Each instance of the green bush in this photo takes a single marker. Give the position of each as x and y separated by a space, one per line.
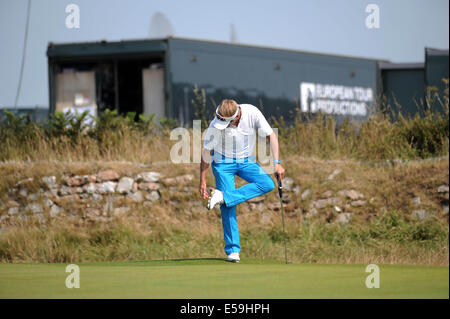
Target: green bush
199 104
168 123
428 135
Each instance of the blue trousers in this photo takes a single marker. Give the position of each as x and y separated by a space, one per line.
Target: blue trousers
259 182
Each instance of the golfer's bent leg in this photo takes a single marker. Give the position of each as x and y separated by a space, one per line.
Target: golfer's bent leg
225 174
259 183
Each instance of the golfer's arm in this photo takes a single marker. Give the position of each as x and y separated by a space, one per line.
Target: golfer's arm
273 139
204 163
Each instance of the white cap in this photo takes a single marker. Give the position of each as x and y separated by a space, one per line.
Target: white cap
221 122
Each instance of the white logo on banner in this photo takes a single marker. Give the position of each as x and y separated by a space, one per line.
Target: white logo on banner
335 99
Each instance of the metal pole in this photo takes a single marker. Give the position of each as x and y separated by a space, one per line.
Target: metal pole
23 54
280 192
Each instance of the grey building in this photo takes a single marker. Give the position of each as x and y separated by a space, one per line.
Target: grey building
411 88
436 71
158 77
403 88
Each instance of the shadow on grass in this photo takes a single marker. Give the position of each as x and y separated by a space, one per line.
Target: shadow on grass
197 259
180 261
192 261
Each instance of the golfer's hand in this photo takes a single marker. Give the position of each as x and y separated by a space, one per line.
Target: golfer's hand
203 191
279 170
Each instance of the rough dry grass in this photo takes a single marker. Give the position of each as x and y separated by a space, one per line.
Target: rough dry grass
382 231
391 187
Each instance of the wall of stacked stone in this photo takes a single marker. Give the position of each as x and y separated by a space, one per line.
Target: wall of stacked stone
101 197
106 195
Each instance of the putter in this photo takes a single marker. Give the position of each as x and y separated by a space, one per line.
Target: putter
280 192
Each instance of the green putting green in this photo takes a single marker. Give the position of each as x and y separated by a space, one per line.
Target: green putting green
216 278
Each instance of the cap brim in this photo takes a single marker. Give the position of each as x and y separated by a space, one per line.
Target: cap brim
220 125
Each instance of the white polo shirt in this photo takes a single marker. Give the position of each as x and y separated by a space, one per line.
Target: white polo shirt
238 142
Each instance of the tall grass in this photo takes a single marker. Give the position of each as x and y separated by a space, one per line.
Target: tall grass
387 239
67 137
378 138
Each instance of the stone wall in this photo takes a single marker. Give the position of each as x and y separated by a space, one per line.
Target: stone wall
104 196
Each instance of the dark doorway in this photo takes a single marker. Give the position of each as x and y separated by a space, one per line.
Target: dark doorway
106 96
129 74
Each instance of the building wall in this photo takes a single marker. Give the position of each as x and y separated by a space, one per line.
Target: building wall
436 69
404 90
279 82
267 78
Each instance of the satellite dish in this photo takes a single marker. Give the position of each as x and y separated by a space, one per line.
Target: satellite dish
233 34
160 27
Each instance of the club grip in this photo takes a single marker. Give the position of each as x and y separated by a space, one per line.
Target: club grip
280 185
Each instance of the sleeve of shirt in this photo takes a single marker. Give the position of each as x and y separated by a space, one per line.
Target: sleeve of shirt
262 123
211 138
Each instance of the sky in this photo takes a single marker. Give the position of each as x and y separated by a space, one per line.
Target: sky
406 27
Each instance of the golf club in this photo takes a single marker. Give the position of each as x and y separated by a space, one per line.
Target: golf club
280 192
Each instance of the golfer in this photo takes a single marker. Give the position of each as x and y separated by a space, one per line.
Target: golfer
229 146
